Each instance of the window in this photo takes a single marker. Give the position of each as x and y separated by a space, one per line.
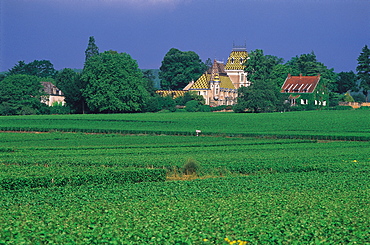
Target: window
232 60
304 101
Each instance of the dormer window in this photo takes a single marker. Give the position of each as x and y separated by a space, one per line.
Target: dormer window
241 60
232 60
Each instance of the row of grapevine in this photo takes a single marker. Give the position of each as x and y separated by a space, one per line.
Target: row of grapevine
215 155
18 177
289 208
287 135
349 125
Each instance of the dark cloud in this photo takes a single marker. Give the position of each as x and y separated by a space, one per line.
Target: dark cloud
58 30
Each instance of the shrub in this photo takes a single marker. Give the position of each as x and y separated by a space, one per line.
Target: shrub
190 167
348 97
205 108
342 107
192 106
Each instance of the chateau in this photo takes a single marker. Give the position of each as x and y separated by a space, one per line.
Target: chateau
219 84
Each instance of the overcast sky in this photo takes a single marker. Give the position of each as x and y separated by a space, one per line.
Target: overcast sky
59 30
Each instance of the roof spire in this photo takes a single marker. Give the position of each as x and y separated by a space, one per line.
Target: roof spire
214 74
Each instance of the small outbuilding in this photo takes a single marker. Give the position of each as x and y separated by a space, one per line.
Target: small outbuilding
53 94
307 91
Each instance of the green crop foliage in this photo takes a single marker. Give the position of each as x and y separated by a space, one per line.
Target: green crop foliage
215 155
30 176
283 208
324 125
283 178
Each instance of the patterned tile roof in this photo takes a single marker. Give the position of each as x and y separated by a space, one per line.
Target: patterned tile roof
173 93
236 60
226 82
204 80
300 84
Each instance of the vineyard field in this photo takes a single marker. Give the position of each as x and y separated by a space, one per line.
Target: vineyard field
343 125
215 155
282 208
278 178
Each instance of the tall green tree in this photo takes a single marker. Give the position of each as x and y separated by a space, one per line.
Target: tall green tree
39 68
71 85
208 63
20 95
346 81
179 68
19 68
363 70
91 49
114 83
263 95
149 81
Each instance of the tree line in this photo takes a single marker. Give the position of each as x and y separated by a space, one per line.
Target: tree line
267 74
112 82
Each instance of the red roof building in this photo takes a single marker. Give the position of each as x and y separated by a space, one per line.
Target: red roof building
300 84
305 91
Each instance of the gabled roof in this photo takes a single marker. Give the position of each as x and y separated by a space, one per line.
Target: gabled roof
173 93
51 89
203 81
226 82
300 84
220 67
236 60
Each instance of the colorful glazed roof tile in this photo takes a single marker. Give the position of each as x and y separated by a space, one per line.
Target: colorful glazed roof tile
216 76
300 84
226 82
173 93
204 82
236 60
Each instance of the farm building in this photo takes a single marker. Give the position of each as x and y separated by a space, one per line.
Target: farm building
305 91
219 84
53 94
